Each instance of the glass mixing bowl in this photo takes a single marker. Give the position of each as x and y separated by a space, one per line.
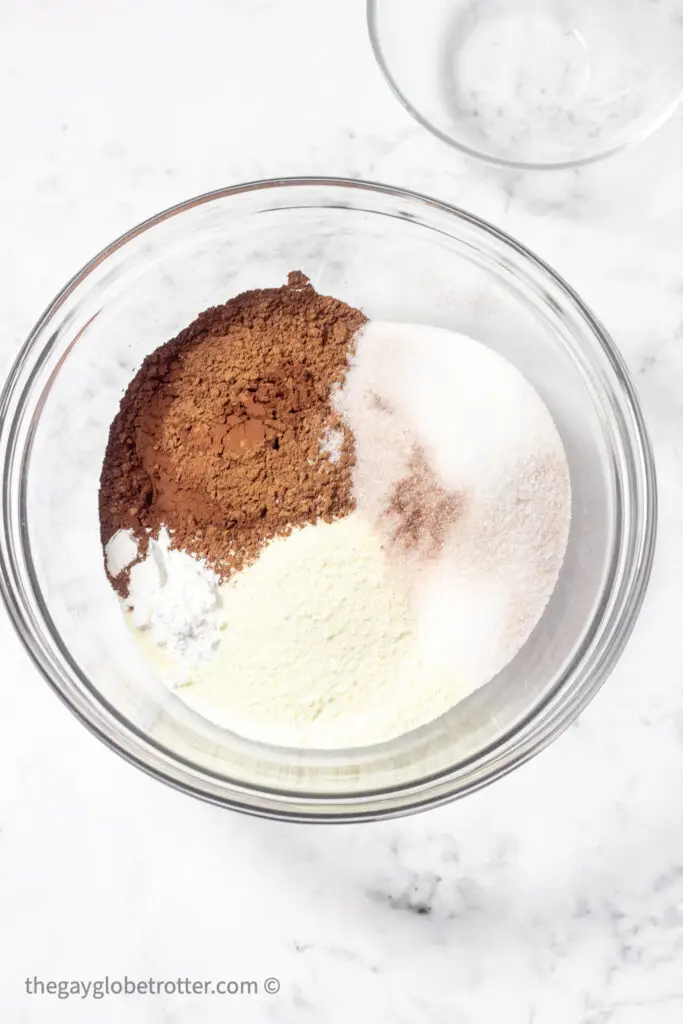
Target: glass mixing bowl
533 83
399 256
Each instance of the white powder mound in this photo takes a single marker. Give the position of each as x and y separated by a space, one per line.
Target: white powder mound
331 444
319 648
121 550
490 440
174 597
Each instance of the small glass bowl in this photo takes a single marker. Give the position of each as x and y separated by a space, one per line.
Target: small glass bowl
399 256
533 83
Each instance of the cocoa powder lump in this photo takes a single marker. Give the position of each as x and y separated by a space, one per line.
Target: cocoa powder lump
420 511
220 435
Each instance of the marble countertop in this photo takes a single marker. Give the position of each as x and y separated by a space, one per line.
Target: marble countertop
555 895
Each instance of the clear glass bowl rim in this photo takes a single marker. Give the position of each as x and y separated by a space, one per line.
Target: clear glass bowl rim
533 733
498 161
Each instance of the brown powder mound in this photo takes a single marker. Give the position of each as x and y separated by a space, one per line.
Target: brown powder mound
420 510
218 436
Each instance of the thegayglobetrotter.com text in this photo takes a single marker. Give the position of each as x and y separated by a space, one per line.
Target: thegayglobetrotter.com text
102 988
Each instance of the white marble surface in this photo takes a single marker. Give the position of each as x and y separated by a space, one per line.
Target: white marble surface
555 896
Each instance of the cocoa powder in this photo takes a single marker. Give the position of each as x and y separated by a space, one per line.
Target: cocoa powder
419 510
218 437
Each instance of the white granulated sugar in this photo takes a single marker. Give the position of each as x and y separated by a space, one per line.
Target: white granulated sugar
489 439
319 647
121 550
174 597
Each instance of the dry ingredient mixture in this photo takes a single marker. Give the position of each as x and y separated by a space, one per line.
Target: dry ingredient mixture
334 530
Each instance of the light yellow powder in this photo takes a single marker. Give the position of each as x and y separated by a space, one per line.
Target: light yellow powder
319 647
